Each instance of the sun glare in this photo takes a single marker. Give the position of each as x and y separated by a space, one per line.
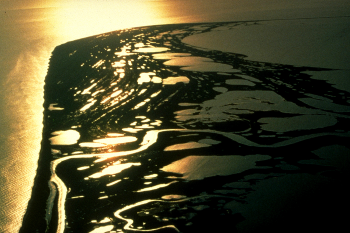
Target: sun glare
78 20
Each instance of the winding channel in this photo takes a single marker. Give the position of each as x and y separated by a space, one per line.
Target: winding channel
150 138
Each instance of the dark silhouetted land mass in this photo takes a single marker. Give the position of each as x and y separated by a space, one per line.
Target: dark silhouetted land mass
143 132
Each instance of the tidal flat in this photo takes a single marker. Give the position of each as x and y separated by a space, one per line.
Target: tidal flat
145 132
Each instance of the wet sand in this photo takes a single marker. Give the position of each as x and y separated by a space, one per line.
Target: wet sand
143 132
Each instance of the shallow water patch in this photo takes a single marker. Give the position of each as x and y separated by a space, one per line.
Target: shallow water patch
200 167
65 137
304 122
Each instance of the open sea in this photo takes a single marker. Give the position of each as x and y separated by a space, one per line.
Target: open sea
155 128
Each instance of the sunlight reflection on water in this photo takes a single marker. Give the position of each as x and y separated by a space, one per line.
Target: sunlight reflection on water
30 36
97 17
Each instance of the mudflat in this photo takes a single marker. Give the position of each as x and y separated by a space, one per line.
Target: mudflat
163 129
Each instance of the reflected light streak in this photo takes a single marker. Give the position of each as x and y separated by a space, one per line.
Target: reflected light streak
116 140
113 183
155 187
128 225
102 229
186 146
114 169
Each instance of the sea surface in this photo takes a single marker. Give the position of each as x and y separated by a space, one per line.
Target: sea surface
143 132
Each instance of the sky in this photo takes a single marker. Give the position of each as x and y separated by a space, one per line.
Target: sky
22 4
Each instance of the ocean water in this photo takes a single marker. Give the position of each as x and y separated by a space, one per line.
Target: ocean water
143 132
24 61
